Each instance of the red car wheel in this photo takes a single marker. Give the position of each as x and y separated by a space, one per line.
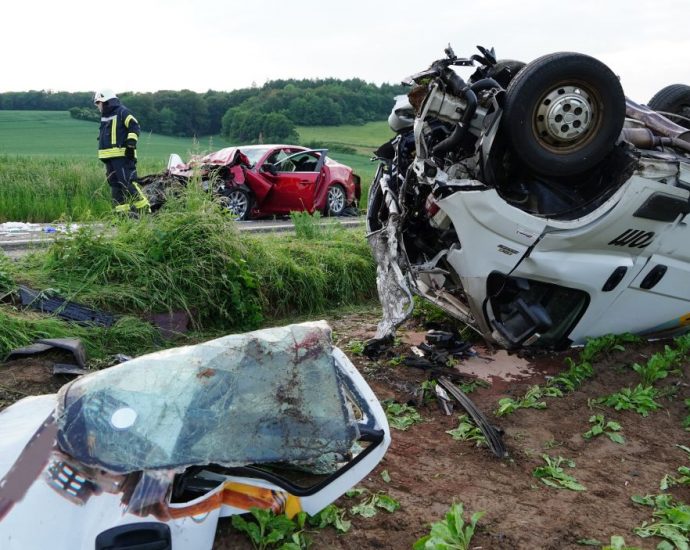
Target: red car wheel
238 201
336 201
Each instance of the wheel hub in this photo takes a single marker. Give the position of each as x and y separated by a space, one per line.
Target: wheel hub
564 115
237 203
335 200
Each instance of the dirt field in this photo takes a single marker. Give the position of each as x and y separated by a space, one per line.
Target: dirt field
429 471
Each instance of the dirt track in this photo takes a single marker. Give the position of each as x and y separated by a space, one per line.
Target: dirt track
429 470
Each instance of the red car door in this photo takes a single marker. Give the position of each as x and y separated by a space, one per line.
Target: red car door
294 180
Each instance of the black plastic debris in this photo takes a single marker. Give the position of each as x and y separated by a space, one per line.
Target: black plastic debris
72 345
441 338
68 369
493 436
65 309
375 347
436 353
434 370
448 341
433 357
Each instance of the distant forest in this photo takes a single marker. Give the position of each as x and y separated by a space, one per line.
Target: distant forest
269 113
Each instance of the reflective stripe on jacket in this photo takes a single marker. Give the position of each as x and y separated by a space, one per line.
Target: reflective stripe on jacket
118 126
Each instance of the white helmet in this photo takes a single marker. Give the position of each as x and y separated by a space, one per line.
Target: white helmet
103 95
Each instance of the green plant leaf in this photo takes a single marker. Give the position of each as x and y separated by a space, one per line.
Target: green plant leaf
248 527
421 543
401 416
452 533
386 502
331 515
553 475
616 438
366 509
467 431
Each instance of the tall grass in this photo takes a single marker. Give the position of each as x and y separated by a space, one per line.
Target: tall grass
190 256
321 267
129 335
52 188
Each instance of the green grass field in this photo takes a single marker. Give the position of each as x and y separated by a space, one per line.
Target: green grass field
55 133
49 169
365 138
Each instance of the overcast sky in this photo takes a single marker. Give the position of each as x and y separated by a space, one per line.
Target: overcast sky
149 45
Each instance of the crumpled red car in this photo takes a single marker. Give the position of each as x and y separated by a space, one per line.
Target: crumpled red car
257 181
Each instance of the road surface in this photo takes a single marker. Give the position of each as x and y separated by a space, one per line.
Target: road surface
18 238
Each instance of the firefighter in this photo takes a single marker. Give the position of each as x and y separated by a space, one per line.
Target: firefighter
117 148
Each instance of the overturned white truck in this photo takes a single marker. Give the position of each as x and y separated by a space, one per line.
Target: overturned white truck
534 202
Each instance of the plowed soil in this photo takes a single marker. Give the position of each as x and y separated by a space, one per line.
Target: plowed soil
429 470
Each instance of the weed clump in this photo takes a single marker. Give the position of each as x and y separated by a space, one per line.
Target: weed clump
7 283
308 276
128 335
190 256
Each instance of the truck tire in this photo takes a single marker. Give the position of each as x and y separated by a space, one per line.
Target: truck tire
674 99
563 113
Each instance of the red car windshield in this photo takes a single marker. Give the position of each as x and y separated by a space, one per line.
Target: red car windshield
255 152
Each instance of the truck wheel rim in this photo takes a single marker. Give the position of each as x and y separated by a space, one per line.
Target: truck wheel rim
565 115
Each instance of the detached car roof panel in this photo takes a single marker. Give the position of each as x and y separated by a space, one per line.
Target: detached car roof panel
265 396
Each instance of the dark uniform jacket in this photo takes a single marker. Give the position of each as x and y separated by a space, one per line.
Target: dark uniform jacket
119 131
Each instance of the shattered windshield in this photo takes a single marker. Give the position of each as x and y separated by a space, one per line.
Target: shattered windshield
266 396
254 153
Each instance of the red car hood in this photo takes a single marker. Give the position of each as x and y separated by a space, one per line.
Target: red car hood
230 156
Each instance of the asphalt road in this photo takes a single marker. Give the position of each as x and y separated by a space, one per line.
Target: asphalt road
18 238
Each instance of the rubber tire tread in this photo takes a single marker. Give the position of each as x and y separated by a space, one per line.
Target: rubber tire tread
328 210
532 82
671 99
375 202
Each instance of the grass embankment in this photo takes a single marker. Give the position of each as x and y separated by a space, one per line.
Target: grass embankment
189 257
49 170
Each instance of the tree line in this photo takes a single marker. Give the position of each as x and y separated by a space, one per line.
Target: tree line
248 115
